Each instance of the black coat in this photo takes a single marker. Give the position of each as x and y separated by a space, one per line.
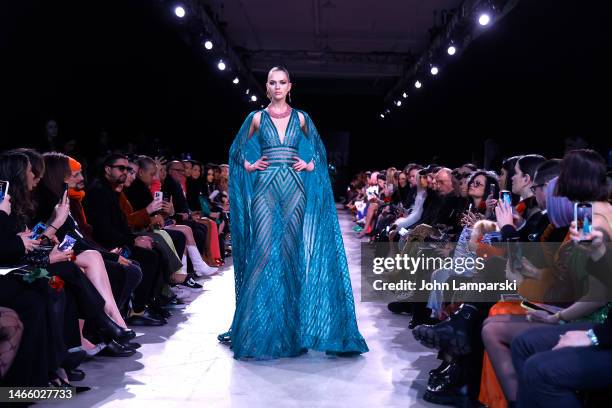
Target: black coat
138 195
172 188
11 246
108 222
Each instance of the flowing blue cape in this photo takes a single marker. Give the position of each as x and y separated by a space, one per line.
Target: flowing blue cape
326 302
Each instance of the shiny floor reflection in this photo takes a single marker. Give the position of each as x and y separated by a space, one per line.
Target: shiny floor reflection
182 364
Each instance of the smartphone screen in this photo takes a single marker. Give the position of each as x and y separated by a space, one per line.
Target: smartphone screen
38 230
4 186
492 189
506 197
159 196
583 215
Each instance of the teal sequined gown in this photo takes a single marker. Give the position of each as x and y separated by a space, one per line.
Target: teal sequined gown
293 290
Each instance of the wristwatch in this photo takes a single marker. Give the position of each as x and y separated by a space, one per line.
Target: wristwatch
593 337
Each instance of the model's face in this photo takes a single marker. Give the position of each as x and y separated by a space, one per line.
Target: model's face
277 86
210 176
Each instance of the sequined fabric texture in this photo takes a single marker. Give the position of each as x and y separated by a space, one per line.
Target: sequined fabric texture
293 290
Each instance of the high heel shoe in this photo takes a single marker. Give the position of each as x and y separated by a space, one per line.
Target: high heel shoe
110 330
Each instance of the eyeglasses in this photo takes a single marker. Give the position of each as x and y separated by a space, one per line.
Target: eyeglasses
120 167
534 188
477 184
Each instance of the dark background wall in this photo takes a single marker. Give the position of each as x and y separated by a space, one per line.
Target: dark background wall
535 78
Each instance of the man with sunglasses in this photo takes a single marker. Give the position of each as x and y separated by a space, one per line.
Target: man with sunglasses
111 230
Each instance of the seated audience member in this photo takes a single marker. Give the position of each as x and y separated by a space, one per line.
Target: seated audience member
111 230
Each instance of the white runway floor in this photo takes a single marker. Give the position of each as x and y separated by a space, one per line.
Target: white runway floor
183 365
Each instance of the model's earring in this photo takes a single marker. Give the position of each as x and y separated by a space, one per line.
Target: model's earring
289 97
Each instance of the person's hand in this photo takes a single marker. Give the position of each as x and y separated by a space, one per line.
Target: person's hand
542 316
28 244
470 218
503 214
124 261
574 338
60 256
116 251
5 205
168 208
154 206
60 213
157 221
300 164
595 246
144 242
260 164
491 204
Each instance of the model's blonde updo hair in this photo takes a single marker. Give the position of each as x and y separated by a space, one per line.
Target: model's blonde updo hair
280 68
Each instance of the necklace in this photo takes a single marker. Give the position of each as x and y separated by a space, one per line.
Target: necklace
281 115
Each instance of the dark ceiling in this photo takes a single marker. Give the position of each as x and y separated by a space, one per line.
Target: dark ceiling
534 78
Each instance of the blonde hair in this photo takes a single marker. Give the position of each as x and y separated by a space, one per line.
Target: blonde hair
280 68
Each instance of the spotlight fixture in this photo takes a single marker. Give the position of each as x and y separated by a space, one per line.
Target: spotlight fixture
236 80
382 115
179 11
398 103
208 44
434 70
451 50
418 84
404 95
387 111
484 19
254 98
248 90
221 65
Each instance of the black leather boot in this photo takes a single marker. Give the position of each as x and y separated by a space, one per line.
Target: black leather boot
453 334
447 388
